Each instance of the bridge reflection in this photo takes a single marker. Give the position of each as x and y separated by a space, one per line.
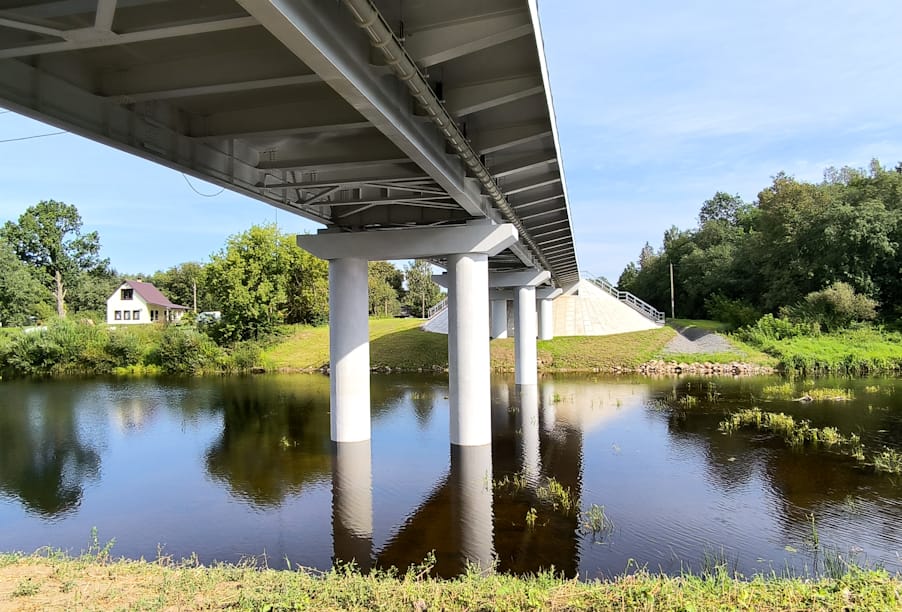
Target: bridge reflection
467 518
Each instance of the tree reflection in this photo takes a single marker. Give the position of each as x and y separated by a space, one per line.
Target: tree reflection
275 439
43 462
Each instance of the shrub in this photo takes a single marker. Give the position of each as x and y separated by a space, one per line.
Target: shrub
183 350
734 313
770 328
833 308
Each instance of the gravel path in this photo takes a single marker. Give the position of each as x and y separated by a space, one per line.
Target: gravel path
697 340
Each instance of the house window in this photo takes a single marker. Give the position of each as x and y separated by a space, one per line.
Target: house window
127 315
136 315
127 294
118 315
154 315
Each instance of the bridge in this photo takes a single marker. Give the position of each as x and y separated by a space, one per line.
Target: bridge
409 128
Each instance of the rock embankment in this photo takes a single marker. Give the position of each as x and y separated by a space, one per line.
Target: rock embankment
737 368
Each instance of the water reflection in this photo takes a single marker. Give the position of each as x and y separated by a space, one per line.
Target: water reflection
272 444
178 454
44 462
352 503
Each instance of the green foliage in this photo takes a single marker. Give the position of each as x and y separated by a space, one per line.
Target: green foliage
308 289
833 308
179 282
794 240
48 237
422 292
385 289
735 313
21 294
261 279
183 350
769 328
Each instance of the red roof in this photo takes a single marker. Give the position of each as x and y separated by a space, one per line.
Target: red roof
152 295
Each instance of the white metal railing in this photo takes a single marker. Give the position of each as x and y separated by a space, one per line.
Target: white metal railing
629 299
437 308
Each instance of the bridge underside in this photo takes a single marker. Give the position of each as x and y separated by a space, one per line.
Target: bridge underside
302 105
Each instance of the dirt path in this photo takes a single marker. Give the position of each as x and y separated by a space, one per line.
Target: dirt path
697 340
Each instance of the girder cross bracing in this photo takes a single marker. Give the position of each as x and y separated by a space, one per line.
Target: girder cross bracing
363 115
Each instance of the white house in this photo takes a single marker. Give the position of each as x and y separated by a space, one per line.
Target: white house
136 302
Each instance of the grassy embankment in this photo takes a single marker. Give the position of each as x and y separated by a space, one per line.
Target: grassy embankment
741 351
399 343
93 582
857 351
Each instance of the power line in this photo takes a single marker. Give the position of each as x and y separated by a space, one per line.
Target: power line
35 136
205 195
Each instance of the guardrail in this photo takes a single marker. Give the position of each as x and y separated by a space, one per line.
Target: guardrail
630 300
437 308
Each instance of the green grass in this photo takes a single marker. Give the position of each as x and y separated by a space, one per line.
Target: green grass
395 343
399 343
60 582
848 352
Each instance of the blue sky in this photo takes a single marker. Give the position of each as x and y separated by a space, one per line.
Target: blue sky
659 105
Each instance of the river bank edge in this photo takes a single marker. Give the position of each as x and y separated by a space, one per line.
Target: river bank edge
95 582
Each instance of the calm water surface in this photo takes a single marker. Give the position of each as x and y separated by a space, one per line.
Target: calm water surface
234 467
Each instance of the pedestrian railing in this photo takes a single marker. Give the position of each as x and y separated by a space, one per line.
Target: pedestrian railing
630 300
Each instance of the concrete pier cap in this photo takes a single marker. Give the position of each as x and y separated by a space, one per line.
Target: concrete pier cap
466 249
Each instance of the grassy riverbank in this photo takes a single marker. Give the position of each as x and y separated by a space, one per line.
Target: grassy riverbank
400 343
95 583
854 352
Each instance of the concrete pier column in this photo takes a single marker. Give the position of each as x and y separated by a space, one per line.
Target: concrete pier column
469 390
471 480
546 319
349 350
499 318
352 503
525 333
529 428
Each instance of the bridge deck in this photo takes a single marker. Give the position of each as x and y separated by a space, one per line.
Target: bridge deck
290 102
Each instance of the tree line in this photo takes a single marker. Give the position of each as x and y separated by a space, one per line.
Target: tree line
797 248
260 278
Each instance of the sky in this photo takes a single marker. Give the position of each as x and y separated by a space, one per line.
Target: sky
659 105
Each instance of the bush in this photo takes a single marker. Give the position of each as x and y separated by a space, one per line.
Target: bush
734 313
183 350
833 308
769 328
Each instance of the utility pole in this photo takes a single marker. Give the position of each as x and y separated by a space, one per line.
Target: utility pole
672 308
194 290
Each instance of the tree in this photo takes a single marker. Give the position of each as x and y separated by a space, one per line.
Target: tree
308 288
422 292
249 281
48 237
386 288
722 207
21 295
181 283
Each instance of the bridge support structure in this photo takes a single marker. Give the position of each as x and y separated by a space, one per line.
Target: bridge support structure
466 249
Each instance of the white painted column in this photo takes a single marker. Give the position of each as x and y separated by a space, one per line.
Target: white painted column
349 350
469 390
529 428
352 503
471 478
525 335
546 319
499 318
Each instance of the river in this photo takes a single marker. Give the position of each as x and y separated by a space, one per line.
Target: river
237 467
